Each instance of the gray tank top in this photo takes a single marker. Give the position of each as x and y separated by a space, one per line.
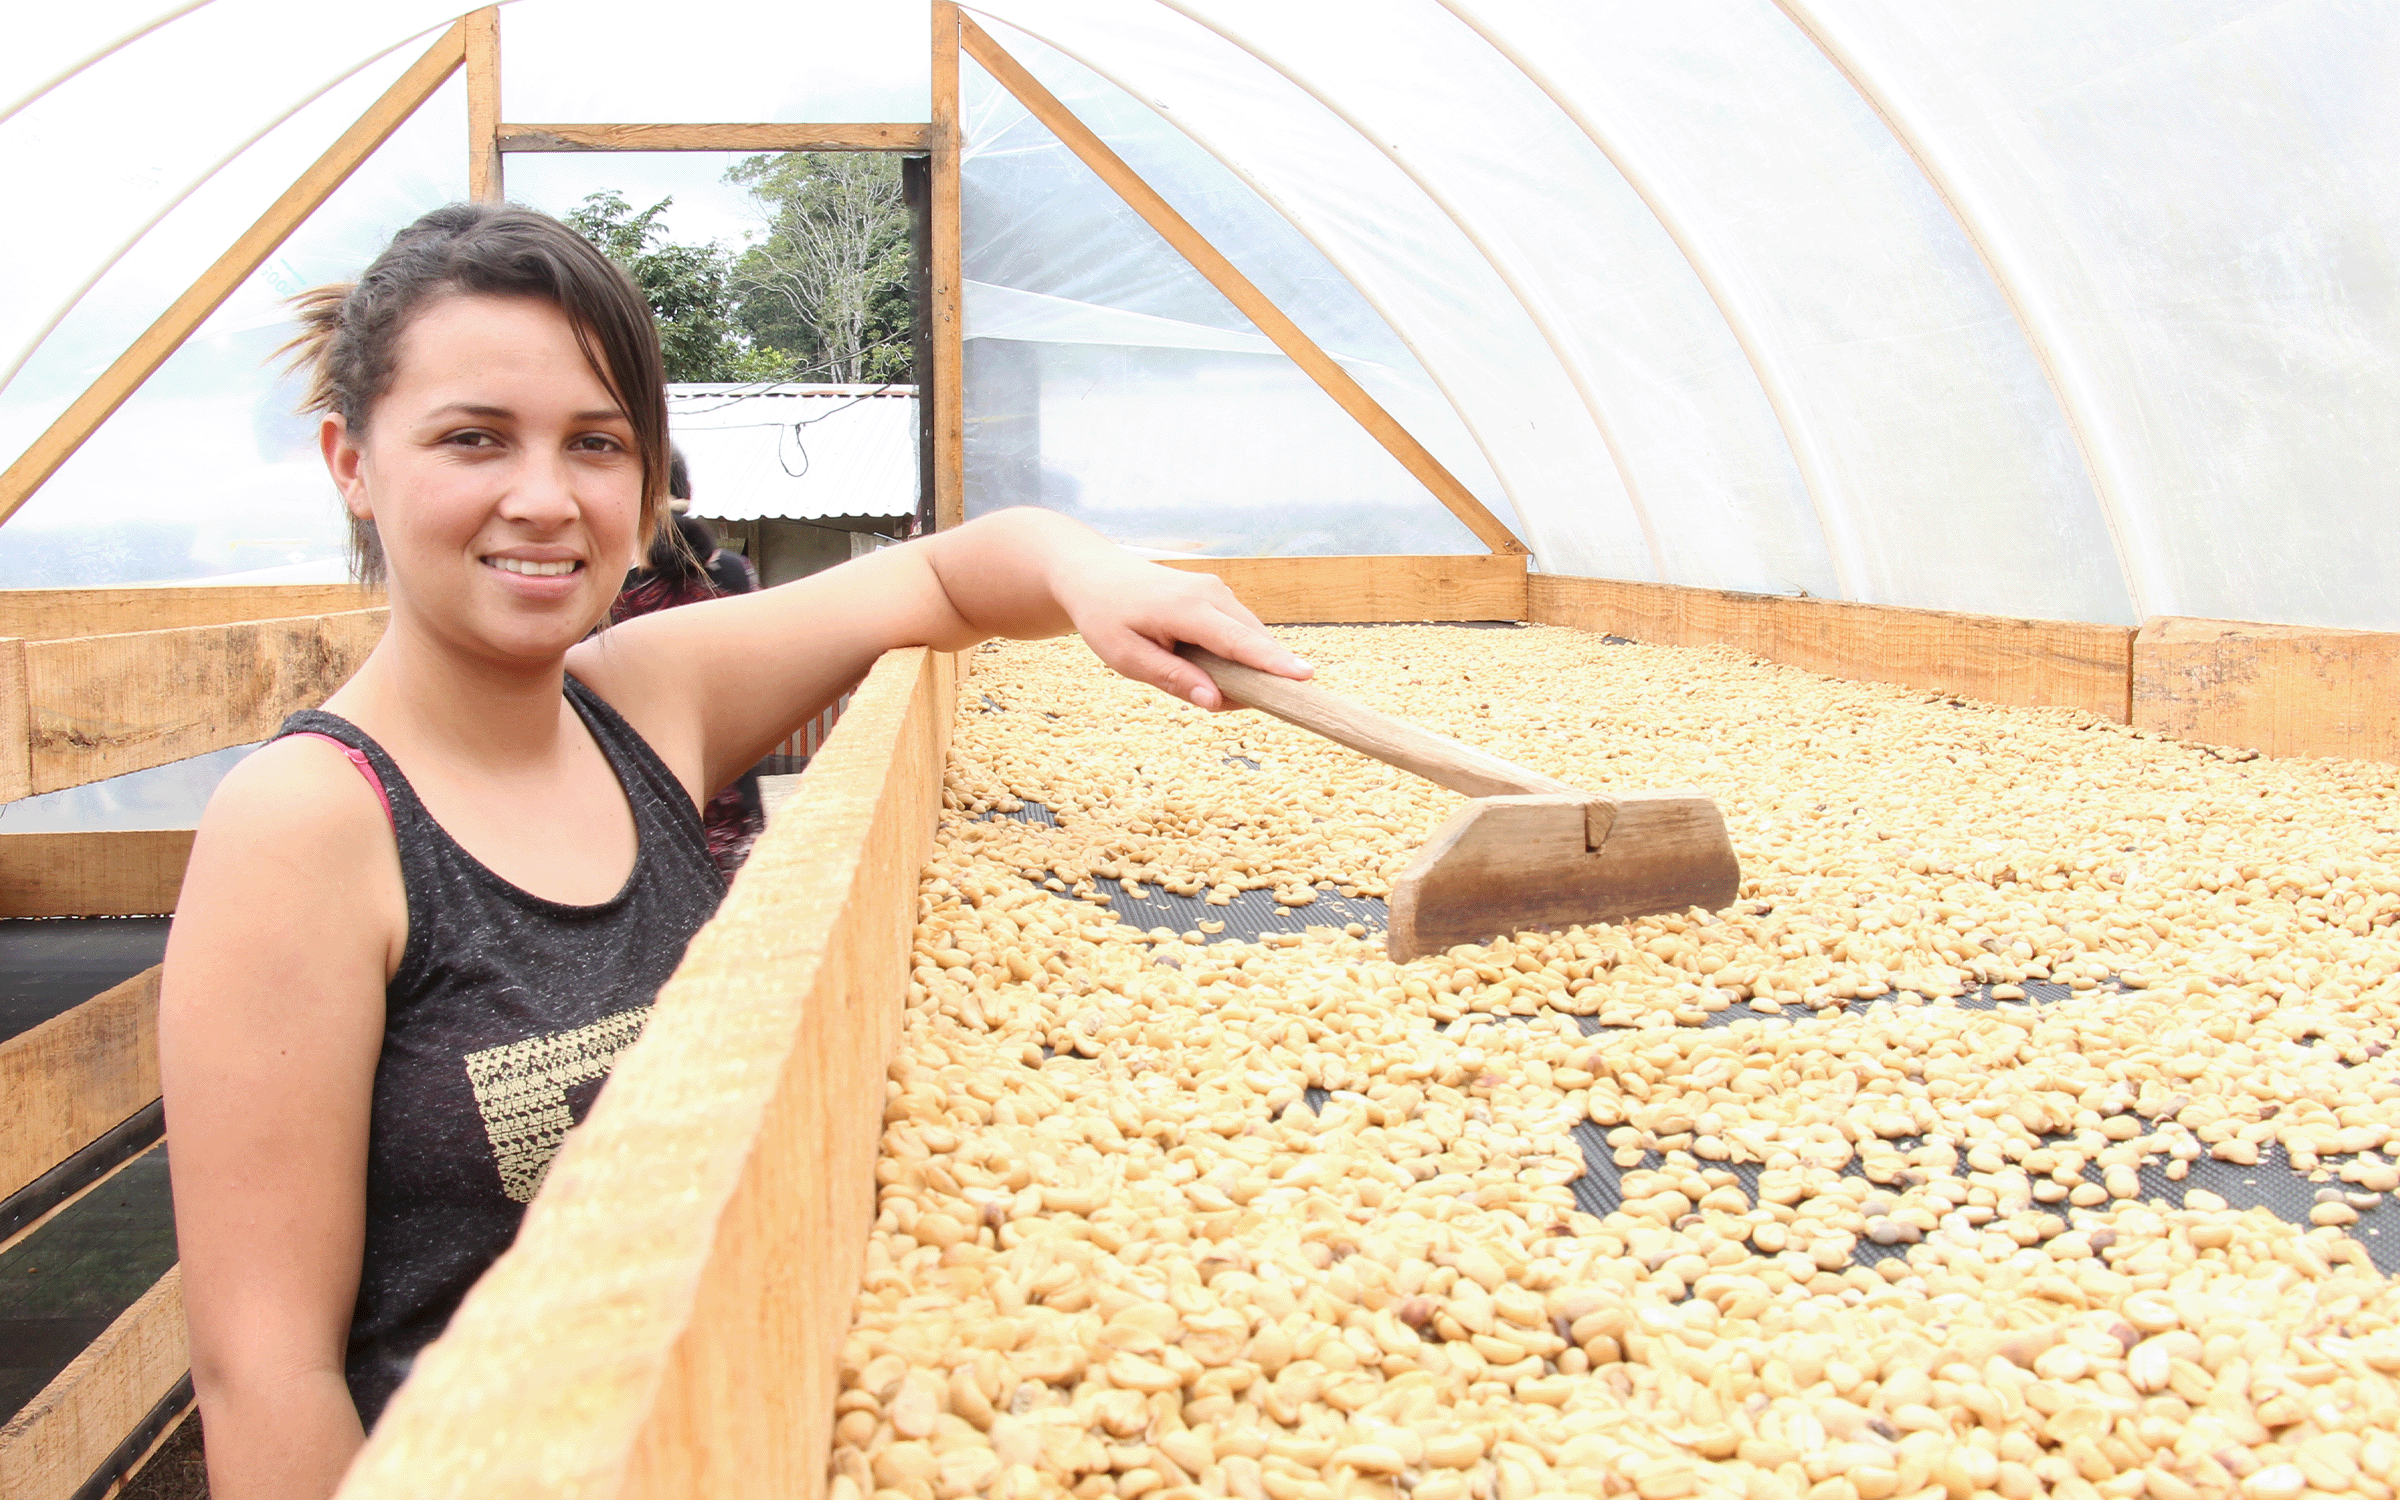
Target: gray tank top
499 1029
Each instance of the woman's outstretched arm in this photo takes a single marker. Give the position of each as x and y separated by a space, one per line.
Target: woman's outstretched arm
715 686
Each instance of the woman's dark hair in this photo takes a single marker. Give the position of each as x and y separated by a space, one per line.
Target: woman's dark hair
350 334
680 552
679 474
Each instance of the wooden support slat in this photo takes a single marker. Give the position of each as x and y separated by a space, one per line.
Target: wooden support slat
2277 689
55 614
103 705
130 872
51 1446
947 408
1995 658
486 183
70 1080
120 380
668 1320
1222 274
16 723
1370 590
881 136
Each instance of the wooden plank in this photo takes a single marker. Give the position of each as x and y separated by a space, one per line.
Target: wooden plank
1995 658
121 379
55 614
2276 689
668 1320
16 723
486 183
130 872
947 410
52 1445
1372 590
1222 274
70 1080
104 705
881 136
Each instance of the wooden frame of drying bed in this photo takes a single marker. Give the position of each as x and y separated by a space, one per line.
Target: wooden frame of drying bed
667 1320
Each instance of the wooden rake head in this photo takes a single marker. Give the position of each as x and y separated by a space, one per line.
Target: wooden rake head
1529 852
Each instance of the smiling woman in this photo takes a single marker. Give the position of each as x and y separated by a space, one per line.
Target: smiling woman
352 335
417 928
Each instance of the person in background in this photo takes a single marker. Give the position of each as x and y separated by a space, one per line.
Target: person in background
731 572
670 575
673 573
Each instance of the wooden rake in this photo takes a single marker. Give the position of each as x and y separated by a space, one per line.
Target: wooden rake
1529 852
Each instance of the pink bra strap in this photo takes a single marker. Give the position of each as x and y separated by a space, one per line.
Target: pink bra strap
366 768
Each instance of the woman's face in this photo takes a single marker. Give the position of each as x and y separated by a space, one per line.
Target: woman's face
501 476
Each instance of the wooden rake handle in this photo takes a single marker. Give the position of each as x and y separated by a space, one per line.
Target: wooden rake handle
1444 762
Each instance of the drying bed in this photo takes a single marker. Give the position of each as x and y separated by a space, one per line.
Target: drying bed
1250 916
1912 1169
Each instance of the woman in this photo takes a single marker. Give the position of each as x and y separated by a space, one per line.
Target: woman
424 912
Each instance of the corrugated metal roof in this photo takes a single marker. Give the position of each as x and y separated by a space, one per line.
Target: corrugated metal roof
797 452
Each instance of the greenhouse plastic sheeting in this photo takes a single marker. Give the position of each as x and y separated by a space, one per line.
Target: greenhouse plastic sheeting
2045 309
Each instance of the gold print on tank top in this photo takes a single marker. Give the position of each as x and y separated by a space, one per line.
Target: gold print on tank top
521 1091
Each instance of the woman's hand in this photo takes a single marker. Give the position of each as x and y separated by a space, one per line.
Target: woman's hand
1134 614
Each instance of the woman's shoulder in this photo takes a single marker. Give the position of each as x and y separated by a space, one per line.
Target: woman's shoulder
294 870
299 799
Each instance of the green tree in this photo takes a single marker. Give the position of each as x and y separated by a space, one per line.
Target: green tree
689 288
828 283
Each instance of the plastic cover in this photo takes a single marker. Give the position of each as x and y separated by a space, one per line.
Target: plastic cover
2046 309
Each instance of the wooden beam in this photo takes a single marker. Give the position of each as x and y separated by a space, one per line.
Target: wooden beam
1995 658
1364 590
2276 689
486 183
103 705
1238 288
668 1321
120 380
947 409
130 872
887 136
55 1442
71 1079
55 614
16 723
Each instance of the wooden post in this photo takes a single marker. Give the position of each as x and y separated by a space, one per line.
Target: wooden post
942 398
485 183
1222 274
120 380
916 190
